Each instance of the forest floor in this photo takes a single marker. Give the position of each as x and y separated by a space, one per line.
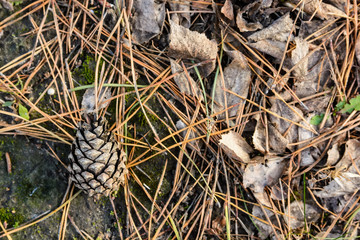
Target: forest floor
239 119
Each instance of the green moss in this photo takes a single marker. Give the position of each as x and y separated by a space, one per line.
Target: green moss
85 74
12 218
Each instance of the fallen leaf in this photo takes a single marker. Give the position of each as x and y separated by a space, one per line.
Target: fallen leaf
286 128
333 155
89 99
296 218
310 154
185 44
182 12
7 5
262 173
237 78
245 26
347 177
186 84
228 10
265 229
23 112
278 31
235 146
273 48
277 143
147 20
262 198
299 58
319 9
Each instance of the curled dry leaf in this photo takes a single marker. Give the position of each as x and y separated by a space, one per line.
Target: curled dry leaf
237 78
235 146
228 10
182 12
245 26
296 218
262 173
262 198
89 99
357 49
278 31
286 128
185 82
320 9
277 143
347 177
191 44
147 20
299 58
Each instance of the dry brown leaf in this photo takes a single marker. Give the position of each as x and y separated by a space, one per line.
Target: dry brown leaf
347 177
264 229
320 9
277 143
147 20
228 10
263 198
88 101
273 48
333 155
7 5
286 128
262 173
318 104
190 44
244 26
237 78
310 154
296 218
182 15
278 31
299 58
235 146
186 85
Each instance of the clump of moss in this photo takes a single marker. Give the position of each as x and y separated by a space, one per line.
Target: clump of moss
86 73
12 218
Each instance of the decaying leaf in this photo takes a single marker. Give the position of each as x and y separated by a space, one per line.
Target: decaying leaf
228 10
299 59
310 154
182 12
262 198
7 5
264 229
245 26
277 143
235 146
191 44
333 155
320 9
296 218
147 20
278 31
237 78
186 84
273 48
346 175
262 173
89 99
286 128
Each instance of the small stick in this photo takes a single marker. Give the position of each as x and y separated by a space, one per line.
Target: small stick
8 162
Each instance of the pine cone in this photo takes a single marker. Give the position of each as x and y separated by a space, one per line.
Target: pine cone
97 163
